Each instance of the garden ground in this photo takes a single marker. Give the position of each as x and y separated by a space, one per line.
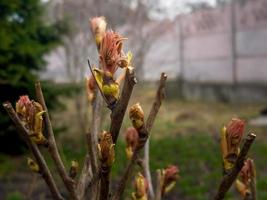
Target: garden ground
185 133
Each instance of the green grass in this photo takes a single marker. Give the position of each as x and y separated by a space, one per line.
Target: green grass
197 155
199 160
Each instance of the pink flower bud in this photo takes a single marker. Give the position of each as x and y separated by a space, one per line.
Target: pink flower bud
22 104
98 26
131 137
234 133
171 174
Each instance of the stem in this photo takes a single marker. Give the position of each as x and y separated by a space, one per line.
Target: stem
157 102
52 146
119 111
147 170
86 174
149 123
104 182
45 172
123 181
117 116
229 178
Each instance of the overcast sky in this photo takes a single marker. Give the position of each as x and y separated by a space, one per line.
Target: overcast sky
171 8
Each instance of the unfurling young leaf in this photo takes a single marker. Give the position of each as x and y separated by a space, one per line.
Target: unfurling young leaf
141 188
108 86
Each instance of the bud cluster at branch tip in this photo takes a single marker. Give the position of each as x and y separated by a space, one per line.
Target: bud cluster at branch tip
231 137
169 177
31 114
136 115
111 57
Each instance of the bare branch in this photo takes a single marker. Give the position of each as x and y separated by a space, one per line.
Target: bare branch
149 123
119 111
52 146
86 174
117 116
143 136
45 172
91 162
229 178
157 102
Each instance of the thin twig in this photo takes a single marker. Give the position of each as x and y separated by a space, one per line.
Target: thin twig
147 172
149 123
158 186
229 178
119 111
45 172
143 136
95 129
90 166
86 174
52 146
32 186
157 102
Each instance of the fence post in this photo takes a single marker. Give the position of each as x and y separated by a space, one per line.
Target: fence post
181 48
233 41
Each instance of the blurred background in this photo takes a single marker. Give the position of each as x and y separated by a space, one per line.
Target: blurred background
213 51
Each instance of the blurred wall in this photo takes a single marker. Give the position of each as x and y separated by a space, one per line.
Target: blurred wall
225 45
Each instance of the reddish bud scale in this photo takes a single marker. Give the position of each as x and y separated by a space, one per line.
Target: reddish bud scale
131 137
234 133
91 84
171 174
235 128
246 172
